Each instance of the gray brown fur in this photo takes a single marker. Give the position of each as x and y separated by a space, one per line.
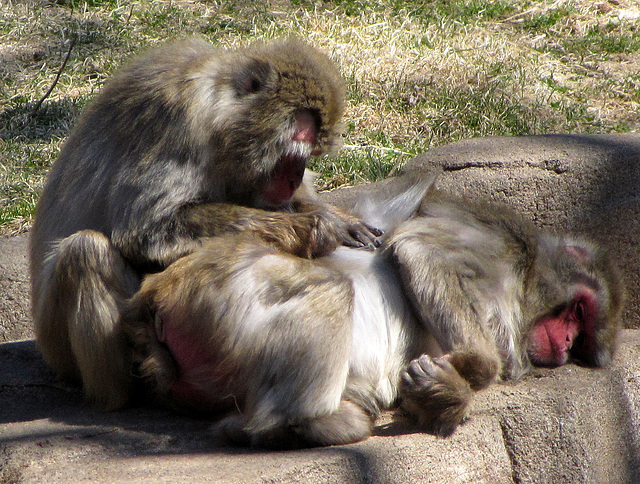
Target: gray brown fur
178 146
310 351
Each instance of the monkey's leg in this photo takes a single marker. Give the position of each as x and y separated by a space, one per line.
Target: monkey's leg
292 344
86 290
348 424
298 396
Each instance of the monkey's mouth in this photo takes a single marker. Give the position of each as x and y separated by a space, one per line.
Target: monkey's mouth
285 179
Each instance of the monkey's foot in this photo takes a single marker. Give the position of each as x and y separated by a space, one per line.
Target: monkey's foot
435 393
233 429
348 424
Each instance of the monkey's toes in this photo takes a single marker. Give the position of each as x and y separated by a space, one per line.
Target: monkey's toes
421 373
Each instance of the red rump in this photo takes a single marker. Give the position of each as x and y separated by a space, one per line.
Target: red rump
200 373
572 331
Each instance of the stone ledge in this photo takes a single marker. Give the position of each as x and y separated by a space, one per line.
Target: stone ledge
572 424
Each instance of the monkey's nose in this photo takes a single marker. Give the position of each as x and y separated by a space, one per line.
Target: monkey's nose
306 127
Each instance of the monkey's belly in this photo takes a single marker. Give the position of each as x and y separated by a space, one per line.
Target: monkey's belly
201 377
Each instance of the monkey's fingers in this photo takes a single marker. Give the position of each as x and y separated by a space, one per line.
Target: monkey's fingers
362 235
374 230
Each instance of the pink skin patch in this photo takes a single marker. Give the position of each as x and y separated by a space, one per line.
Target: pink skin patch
200 372
552 340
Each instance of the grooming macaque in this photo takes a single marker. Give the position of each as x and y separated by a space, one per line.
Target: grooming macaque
307 352
186 143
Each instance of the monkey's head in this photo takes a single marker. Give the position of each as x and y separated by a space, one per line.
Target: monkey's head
245 120
587 304
274 105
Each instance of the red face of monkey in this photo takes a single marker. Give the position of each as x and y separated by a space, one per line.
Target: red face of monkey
571 332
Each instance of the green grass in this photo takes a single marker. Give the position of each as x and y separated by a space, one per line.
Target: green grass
548 19
603 43
419 73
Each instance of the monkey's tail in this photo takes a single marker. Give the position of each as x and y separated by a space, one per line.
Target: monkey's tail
398 202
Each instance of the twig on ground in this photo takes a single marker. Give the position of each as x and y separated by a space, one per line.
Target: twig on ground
55 81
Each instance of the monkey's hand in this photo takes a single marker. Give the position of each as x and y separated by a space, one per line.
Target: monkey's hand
345 228
309 234
360 234
433 391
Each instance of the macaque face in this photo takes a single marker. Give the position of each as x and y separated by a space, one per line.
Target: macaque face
568 333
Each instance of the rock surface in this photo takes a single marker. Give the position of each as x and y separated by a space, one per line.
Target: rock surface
15 321
568 425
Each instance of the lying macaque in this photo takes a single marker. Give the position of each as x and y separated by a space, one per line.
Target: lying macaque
308 352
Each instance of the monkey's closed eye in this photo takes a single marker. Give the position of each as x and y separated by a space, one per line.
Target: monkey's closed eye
252 78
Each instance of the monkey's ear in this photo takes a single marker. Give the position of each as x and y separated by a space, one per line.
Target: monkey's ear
252 77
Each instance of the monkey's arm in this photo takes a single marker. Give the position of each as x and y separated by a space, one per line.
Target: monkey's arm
462 265
308 234
309 231
447 284
445 297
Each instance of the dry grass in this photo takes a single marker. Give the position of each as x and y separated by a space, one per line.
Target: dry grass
419 73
